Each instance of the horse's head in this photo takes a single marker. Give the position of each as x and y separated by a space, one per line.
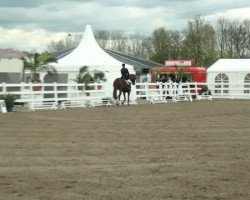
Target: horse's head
132 77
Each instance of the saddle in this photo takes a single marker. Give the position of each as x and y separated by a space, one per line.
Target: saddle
124 80
127 83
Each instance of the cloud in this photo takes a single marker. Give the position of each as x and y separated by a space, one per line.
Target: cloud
72 15
24 4
36 39
46 17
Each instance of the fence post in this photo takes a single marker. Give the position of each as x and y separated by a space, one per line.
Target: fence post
196 89
55 91
31 91
221 93
174 90
77 90
170 89
208 86
188 88
146 90
161 91
96 90
4 88
22 88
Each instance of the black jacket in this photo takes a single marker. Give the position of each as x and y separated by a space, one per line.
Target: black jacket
125 73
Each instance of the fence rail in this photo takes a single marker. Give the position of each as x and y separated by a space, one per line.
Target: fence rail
28 92
165 90
57 92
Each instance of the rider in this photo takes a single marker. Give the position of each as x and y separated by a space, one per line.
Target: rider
125 75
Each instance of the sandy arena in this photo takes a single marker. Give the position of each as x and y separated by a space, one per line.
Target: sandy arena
185 150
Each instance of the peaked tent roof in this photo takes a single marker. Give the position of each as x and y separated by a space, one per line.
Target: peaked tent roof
89 53
230 65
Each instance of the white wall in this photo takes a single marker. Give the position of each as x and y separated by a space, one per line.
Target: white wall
234 77
12 65
236 80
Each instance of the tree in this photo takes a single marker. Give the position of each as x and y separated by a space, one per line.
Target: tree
162 45
176 45
181 76
85 76
246 24
68 42
36 63
98 76
239 34
199 42
118 41
135 46
221 33
102 38
233 38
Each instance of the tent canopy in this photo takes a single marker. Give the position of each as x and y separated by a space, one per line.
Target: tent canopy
88 53
230 65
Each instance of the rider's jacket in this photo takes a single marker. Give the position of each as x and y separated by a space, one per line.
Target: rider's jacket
125 73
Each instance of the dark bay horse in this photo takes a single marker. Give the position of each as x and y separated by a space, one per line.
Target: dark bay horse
121 85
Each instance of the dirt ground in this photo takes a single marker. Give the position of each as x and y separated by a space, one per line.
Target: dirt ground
184 150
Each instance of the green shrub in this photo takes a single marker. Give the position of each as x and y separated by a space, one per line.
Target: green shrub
205 89
9 101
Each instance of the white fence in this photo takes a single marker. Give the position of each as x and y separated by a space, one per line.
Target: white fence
167 90
229 90
58 92
217 90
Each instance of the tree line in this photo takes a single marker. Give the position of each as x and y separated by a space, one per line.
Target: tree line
200 41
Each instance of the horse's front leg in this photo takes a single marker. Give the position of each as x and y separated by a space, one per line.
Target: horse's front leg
124 97
128 98
119 97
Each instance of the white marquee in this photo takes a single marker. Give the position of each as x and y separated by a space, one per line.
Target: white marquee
233 74
89 53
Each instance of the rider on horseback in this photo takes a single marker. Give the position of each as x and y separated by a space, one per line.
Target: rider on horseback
125 75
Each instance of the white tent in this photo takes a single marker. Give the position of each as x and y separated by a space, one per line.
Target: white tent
89 53
233 73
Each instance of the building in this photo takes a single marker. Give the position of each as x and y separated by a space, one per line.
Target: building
11 70
11 66
173 67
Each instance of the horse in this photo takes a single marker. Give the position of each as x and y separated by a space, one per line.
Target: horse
123 87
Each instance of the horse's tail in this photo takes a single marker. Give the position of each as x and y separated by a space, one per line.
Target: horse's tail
115 93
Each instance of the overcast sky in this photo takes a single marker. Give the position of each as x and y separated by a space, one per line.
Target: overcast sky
32 24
